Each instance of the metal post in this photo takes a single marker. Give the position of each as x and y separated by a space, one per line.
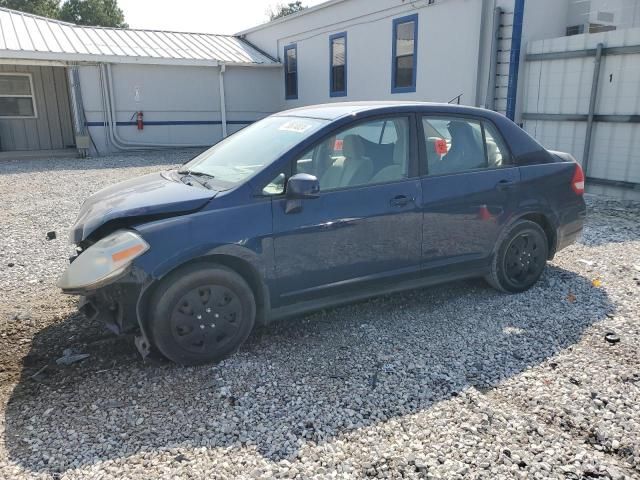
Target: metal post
223 101
481 42
592 107
514 61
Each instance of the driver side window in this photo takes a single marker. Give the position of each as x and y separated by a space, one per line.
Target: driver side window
370 152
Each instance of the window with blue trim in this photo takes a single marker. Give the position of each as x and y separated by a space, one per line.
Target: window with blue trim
291 72
405 50
338 67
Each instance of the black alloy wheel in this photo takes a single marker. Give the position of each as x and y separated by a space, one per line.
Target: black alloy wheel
520 258
201 314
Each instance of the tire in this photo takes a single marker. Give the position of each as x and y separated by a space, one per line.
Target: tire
520 259
201 314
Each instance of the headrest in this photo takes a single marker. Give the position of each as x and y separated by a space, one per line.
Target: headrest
459 128
352 146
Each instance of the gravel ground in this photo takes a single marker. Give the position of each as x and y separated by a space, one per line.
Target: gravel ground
455 381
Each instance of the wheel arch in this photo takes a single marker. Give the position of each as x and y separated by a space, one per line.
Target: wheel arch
242 267
547 225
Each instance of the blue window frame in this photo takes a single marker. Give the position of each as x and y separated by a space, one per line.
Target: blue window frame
291 72
338 65
405 54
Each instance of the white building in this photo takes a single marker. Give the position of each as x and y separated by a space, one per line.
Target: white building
447 44
193 89
66 86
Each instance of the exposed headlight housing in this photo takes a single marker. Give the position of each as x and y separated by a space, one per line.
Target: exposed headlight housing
103 261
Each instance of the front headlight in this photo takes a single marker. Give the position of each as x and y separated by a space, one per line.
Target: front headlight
104 260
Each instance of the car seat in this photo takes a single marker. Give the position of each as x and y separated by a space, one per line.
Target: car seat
357 169
495 157
466 151
398 167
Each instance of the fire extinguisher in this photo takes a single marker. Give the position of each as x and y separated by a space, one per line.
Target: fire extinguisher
139 120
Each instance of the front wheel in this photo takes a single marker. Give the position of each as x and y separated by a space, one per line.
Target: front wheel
520 258
201 314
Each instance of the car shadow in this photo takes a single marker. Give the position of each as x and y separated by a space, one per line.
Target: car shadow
303 381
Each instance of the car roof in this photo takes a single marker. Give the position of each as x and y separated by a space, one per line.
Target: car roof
521 142
334 111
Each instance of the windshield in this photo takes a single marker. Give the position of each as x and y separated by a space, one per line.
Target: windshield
239 156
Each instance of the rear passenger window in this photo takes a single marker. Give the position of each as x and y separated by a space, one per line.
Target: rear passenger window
456 144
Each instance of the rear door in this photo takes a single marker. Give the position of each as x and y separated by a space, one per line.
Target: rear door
470 189
366 224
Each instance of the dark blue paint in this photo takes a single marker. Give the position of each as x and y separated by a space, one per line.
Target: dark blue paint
332 90
148 195
348 243
456 227
409 18
344 232
514 61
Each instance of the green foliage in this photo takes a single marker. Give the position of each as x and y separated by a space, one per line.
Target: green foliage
102 13
45 8
282 10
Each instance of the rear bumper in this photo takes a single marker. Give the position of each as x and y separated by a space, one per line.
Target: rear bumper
571 226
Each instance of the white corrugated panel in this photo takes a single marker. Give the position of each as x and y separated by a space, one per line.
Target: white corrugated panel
563 87
31 37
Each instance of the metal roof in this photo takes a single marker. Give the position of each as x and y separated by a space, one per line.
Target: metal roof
292 16
31 37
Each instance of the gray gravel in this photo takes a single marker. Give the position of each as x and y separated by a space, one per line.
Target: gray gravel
455 381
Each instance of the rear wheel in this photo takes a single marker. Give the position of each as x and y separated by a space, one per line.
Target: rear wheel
201 314
520 259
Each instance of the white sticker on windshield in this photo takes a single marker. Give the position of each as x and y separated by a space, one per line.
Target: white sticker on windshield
298 126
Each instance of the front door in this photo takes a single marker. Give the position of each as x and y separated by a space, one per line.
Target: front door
366 223
469 192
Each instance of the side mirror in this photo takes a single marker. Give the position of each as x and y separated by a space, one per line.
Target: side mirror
299 187
303 185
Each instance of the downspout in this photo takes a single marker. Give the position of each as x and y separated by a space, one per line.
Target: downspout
77 108
514 61
483 27
223 105
116 140
76 99
490 100
105 108
592 107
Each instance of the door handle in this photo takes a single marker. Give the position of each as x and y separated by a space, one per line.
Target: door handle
341 223
401 201
503 185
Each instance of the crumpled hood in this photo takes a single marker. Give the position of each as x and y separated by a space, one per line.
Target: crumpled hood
151 194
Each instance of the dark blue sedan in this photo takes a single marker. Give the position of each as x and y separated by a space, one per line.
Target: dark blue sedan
315 207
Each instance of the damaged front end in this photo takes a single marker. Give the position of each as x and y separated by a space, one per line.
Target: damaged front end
104 271
109 285
116 305
119 306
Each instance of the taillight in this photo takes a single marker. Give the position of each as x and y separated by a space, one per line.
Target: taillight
577 182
